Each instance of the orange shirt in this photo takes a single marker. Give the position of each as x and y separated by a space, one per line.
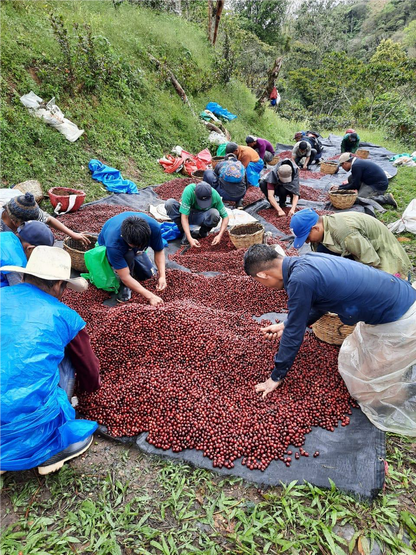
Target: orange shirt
246 154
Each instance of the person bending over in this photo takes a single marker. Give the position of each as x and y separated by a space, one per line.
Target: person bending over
282 181
303 154
126 238
228 179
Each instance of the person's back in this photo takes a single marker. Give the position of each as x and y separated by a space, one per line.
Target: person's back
352 290
367 239
370 173
37 420
246 154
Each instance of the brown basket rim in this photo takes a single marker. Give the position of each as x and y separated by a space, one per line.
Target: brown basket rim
258 225
89 235
69 190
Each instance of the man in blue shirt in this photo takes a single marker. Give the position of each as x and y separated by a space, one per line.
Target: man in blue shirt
321 283
125 237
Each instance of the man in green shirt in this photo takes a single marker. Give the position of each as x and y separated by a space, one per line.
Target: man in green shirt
200 205
351 234
350 142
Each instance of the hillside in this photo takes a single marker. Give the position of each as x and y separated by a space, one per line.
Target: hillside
129 110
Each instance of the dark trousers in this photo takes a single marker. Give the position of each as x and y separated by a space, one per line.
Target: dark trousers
211 177
311 158
140 265
206 219
279 191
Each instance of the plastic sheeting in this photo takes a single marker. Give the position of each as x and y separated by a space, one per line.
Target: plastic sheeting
352 456
111 178
37 420
218 110
408 220
378 366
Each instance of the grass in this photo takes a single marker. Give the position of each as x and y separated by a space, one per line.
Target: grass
135 504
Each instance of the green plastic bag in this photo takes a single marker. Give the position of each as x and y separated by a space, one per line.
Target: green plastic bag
221 149
100 272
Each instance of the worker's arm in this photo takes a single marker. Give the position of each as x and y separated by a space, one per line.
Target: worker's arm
305 165
56 224
299 306
160 262
361 249
294 204
84 361
224 224
272 199
261 150
134 285
186 229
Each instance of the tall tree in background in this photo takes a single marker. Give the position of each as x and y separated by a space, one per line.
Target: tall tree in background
214 17
263 18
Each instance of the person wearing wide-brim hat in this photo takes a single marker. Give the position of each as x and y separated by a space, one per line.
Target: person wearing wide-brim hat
43 341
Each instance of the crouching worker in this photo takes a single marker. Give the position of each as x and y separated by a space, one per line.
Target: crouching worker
24 208
200 205
250 160
15 250
351 234
282 181
321 283
228 179
126 237
38 425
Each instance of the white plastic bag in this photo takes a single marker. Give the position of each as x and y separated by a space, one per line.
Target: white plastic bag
378 366
217 138
408 220
51 115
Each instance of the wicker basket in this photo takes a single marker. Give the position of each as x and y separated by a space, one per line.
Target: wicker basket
342 199
31 186
76 251
329 167
330 329
362 153
244 235
216 160
274 161
198 175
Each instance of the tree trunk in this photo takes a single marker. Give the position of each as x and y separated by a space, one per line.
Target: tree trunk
272 76
218 11
210 10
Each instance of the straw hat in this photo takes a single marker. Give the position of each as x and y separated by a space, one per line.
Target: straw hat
50 263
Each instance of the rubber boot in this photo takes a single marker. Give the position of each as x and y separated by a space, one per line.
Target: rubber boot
388 198
203 231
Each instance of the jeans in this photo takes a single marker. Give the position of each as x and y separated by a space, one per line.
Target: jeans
67 376
140 265
279 191
207 218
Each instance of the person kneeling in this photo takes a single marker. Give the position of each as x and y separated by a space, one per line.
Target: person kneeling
38 425
126 237
282 181
228 179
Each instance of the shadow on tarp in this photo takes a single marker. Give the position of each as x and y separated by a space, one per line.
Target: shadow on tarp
351 456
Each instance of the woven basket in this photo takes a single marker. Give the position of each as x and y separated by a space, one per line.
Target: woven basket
362 153
198 175
342 199
274 161
216 160
244 235
31 186
330 329
328 167
76 251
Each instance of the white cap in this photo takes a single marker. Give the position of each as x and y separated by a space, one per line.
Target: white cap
50 263
345 157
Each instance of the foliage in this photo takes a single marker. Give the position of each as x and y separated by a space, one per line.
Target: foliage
264 19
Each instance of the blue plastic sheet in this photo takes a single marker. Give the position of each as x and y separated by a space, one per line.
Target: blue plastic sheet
11 254
219 111
170 232
253 172
111 178
37 420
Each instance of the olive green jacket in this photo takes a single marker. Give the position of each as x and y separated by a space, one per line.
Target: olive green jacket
367 240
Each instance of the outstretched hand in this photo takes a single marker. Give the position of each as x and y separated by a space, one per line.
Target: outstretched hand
267 387
274 331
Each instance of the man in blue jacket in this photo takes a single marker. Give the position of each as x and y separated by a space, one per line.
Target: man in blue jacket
368 178
321 283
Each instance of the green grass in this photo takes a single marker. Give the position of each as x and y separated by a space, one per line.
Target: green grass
137 504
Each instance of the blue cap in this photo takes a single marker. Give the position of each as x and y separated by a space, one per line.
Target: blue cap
36 233
301 225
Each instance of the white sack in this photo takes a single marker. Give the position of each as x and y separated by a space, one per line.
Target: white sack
378 366
408 220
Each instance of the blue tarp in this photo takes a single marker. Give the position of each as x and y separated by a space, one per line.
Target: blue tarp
170 232
219 111
111 178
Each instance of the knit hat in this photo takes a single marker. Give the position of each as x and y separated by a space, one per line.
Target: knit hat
23 208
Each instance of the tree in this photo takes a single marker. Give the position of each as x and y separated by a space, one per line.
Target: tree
263 18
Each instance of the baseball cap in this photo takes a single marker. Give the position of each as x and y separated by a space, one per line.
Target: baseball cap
285 173
250 139
36 233
301 225
345 157
203 193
